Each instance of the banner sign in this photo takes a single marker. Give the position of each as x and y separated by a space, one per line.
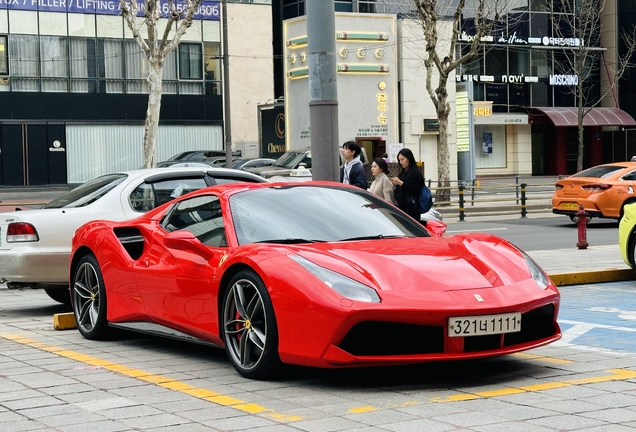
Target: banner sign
207 10
273 131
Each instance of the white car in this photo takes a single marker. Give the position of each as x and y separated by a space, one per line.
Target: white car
35 245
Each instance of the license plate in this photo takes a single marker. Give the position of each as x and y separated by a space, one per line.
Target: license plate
570 206
484 325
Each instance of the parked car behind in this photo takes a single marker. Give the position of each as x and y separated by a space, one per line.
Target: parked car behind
194 156
603 190
35 245
290 160
244 164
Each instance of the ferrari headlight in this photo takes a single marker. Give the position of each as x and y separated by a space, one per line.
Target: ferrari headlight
537 274
343 285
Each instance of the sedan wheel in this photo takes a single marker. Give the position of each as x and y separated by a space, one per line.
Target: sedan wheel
89 299
249 327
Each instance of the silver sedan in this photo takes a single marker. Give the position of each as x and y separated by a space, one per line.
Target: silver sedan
35 245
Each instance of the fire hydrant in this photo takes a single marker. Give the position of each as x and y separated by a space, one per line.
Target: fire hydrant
582 225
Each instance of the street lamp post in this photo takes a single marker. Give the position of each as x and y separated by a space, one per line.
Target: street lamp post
227 119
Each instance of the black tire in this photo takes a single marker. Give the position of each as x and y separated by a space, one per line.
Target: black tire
89 299
622 212
631 252
60 294
249 327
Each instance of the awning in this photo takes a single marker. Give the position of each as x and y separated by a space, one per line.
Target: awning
568 116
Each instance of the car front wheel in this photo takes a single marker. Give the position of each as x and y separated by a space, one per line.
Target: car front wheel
249 327
89 299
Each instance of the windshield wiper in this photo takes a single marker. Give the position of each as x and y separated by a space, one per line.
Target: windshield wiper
374 237
290 241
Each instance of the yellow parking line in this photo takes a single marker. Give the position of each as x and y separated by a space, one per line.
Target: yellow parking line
542 358
159 380
363 409
615 375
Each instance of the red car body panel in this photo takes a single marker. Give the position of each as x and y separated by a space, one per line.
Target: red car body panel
420 281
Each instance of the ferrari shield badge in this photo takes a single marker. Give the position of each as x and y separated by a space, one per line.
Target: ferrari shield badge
478 297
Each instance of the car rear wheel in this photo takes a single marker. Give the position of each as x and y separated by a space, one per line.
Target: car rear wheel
249 327
89 299
60 294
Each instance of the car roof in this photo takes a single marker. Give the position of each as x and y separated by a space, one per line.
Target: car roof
210 170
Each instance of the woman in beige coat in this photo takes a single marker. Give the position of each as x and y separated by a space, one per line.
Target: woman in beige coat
381 186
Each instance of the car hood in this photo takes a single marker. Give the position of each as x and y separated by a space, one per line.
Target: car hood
435 263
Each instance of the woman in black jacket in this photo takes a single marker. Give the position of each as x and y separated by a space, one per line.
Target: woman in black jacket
408 184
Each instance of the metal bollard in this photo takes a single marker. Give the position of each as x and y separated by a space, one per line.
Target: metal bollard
524 212
461 203
581 223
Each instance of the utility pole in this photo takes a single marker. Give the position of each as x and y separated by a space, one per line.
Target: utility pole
323 89
227 119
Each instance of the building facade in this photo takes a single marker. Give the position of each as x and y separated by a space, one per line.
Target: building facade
73 94
519 88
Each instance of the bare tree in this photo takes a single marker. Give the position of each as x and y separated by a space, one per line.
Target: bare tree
579 29
440 65
179 15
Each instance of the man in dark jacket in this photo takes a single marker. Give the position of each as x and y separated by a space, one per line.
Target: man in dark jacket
352 172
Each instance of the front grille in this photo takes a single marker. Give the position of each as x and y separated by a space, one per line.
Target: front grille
536 324
377 338
482 343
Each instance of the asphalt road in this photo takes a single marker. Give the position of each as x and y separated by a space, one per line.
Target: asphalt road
541 233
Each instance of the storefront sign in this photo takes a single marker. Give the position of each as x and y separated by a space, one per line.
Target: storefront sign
512 39
502 119
207 10
461 103
482 109
516 79
273 131
564 80
431 125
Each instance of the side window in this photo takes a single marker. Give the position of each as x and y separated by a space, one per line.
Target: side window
630 176
201 216
150 195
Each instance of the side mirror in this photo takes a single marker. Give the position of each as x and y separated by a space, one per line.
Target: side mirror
436 228
185 240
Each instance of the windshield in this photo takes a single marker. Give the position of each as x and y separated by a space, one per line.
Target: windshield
290 159
602 171
88 192
180 156
299 214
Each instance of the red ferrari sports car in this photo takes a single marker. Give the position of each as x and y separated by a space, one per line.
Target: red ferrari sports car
316 273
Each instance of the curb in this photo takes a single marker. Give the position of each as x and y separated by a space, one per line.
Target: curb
595 276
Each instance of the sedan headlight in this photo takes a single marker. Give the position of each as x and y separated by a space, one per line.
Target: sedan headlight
343 285
537 274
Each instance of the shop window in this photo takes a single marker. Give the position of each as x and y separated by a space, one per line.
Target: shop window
519 62
137 68
83 68
111 65
212 67
541 5
4 56
190 61
343 6
54 63
24 63
497 61
540 25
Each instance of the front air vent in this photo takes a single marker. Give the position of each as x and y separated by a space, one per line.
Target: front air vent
132 241
377 338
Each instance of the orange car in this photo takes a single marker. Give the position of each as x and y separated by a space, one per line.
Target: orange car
603 191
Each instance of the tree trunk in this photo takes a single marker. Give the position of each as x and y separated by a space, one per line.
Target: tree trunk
443 152
581 137
152 114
